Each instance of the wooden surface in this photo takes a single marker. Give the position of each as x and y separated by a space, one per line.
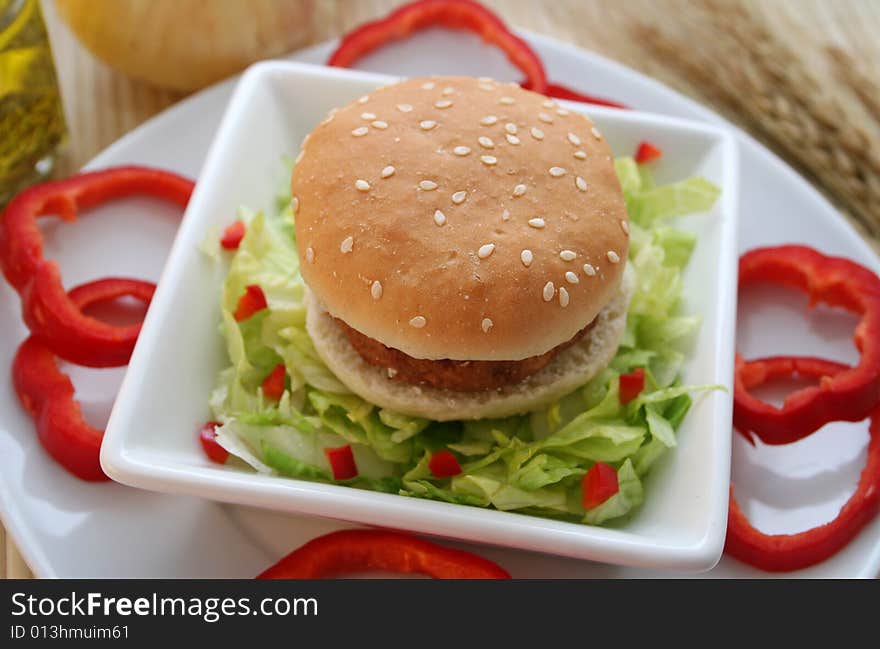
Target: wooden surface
101 104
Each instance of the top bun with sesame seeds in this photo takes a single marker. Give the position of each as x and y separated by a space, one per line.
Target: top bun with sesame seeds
460 218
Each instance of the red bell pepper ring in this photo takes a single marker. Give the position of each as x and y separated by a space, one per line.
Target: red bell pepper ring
342 462
47 309
273 385
850 395
647 152
454 14
631 385
208 438
232 235
349 551
784 552
252 301
558 91
48 394
443 464
598 485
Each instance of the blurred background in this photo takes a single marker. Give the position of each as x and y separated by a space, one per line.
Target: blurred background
803 76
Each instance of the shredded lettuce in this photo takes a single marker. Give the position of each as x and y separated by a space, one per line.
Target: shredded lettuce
532 463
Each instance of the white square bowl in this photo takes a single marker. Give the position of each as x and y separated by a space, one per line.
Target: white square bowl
151 440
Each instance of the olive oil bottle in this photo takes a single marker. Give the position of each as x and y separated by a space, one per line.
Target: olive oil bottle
31 115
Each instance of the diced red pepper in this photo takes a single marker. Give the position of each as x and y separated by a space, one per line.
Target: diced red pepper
48 394
348 551
631 384
273 385
598 485
850 395
232 235
454 14
443 464
46 306
342 462
208 438
647 152
784 552
558 91
251 301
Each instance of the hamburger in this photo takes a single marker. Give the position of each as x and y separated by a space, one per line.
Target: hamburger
464 244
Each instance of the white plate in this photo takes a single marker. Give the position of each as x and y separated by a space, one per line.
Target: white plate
150 441
72 529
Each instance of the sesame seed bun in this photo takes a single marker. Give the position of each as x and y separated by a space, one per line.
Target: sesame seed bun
457 218
569 370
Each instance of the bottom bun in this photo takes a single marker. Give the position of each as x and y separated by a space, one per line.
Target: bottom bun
569 370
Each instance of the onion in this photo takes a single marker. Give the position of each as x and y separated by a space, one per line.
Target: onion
187 44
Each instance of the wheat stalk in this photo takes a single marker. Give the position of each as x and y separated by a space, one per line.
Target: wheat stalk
752 72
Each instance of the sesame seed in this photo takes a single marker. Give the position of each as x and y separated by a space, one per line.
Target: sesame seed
485 79
379 124
507 100
310 254
346 245
486 142
510 127
364 99
549 291
562 112
368 116
596 133
486 86
486 250
294 205
461 150
376 290
537 133
360 131
388 171
581 183
568 255
589 270
537 223
418 322
391 372
512 138
505 215
427 125
548 103
625 227
428 85
488 159
580 155
526 257
362 185
427 185
613 257
557 172
459 197
486 325
571 277
574 139
404 108
488 120
519 190
448 90
442 103
439 217
563 297
544 117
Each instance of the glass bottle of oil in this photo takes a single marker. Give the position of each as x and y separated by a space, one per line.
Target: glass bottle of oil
31 115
